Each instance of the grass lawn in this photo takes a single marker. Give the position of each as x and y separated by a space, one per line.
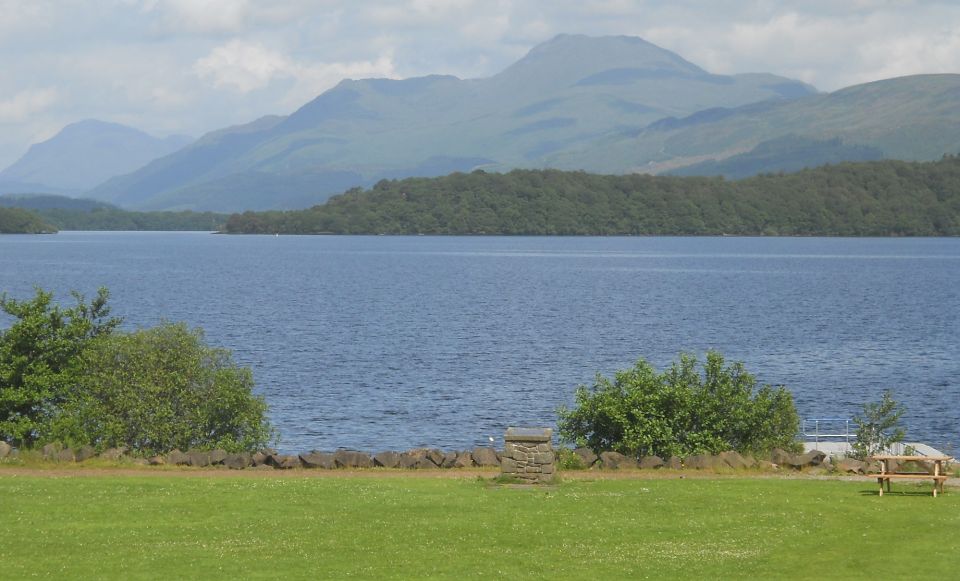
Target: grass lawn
290 526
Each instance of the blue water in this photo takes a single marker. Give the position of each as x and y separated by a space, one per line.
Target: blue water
395 342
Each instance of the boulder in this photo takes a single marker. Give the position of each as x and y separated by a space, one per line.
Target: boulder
5 449
464 460
283 461
781 457
113 454
702 462
850 465
766 466
315 459
237 461
650 462
217 457
259 458
389 459
449 459
673 463
411 458
66 455
435 456
810 459
198 458
352 459
587 456
485 456
85 453
616 461
734 460
156 461
177 458
51 451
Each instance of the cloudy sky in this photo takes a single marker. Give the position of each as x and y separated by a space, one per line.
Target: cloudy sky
190 66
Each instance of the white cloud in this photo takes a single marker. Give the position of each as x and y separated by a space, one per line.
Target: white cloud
25 104
246 67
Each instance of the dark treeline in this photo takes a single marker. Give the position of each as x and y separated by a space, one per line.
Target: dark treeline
117 219
19 221
883 198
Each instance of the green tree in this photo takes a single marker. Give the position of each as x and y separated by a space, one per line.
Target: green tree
878 427
680 412
38 355
162 388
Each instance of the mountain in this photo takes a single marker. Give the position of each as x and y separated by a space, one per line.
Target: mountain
564 95
913 118
83 155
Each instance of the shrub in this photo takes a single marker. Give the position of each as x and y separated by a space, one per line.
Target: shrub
162 388
878 427
679 412
38 355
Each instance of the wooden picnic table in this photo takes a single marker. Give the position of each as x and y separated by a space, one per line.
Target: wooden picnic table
886 475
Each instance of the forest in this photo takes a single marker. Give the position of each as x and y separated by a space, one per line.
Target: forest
876 198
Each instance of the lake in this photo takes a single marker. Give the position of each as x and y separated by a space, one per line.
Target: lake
396 342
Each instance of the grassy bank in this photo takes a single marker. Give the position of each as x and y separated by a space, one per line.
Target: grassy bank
290 526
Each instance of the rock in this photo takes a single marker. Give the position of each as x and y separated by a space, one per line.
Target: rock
781 457
113 454
51 451
734 460
651 462
237 461
315 459
587 456
435 456
388 459
352 459
262 468
616 461
810 459
260 458
85 453
464 460
485 456
702 462
850 465
766 466
5 449
198 458
66 455
217 457
449 459
283 461
673 463
411 458
140 461
156 461
177 458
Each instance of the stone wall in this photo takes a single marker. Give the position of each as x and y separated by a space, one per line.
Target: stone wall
528 455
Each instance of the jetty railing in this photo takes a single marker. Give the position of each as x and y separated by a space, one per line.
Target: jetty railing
823 428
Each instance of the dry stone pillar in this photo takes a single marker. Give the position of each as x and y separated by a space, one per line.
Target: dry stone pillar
528 455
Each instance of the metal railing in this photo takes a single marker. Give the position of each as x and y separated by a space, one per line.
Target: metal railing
822 428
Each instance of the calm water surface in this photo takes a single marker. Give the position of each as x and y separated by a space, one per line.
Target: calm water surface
395 342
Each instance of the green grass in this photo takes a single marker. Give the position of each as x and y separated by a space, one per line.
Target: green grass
294 527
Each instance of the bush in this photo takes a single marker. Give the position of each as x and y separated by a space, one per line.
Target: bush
878 427
162 388
38 355
680 413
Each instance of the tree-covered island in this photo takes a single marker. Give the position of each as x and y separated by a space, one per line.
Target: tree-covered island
881 198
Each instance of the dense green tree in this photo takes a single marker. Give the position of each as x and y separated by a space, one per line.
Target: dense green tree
680 411
162 388
883 198
38 356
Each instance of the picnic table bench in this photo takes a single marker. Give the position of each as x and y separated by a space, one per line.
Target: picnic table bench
886 475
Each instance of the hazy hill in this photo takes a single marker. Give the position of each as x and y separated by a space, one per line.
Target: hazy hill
65 213
565 94
911 118
83 155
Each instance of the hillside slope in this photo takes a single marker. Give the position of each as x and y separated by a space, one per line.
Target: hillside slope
564 94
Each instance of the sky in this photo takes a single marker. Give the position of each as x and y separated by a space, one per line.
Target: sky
192 66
